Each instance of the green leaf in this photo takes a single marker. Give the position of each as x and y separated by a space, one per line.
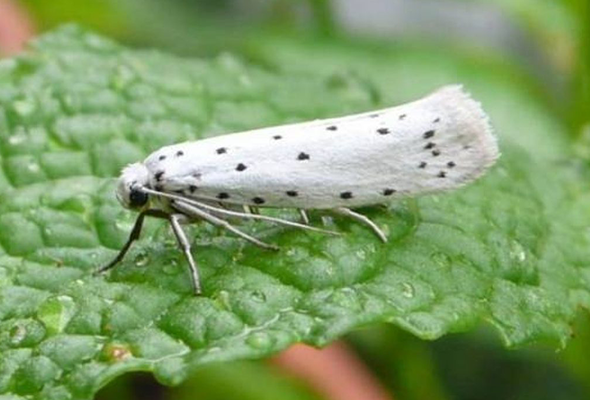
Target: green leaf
510 250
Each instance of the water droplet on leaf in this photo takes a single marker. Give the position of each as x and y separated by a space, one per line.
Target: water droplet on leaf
222 298
441 260
17 139
259 340
258 296
141 260
33 167
17 334
55 312
517 251
24 107
27 332
408 290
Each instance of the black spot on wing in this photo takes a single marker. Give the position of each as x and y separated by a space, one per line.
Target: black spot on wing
292 193
423 164
436 152
451 164
223 196
383 131
240 167
277 137
388 192
428 134
346 195
258 200
303 156
158 175
332 128
179 153
221 150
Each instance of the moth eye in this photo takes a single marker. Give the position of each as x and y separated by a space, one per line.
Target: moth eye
137 199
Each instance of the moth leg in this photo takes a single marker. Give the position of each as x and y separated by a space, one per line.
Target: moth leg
133 236
186 249
260 217
363 220
247 209
206 207
196 212
304 216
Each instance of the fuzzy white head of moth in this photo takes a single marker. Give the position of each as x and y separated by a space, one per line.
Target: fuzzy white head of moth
133 177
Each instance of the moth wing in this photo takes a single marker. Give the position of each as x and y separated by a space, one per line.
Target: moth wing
437 143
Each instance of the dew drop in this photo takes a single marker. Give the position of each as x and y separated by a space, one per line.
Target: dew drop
442 260
27 332
24 107
17 334
258 296
517 252
259 340
123 226
361 254
33 167
408 290
56 312
141 260
223 299
17 139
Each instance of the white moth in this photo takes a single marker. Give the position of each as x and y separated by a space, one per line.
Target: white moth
437 143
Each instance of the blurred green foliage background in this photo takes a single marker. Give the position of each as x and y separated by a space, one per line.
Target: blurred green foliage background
539 45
